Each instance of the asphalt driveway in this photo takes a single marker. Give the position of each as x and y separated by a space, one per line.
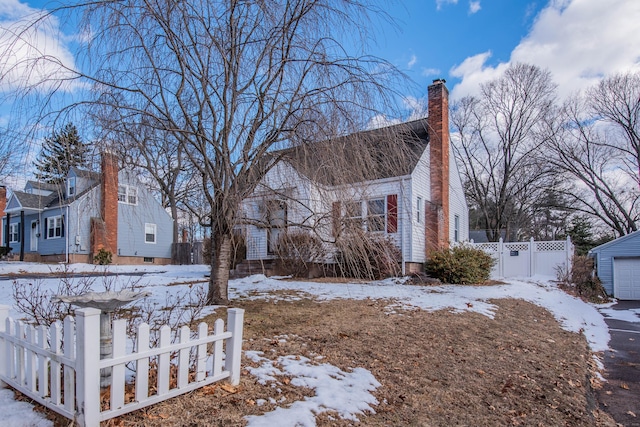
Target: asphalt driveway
620 395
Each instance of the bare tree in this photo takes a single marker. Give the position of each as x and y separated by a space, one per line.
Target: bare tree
159 157
497 143
616 102
227 82
596 144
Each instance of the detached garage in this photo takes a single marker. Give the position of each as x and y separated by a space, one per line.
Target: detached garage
618 266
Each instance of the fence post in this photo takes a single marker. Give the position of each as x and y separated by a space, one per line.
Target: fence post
532 258
4 314
569 253
88 366
500 258
235 318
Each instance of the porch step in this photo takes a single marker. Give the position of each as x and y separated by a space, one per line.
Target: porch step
250 267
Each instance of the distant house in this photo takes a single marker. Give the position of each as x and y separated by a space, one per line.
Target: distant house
416 200
87 212
618 266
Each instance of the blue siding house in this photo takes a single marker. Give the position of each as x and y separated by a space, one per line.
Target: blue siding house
618 266
89 211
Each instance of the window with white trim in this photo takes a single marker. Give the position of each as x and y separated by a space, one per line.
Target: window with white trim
150 232
127 194
14 232
419 210
376 215
71 186
54 227
456 228
353 215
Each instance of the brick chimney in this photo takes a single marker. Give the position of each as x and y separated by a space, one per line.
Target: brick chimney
437 211
109 204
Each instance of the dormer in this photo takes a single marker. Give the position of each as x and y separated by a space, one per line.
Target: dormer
39 188
79 180
71 185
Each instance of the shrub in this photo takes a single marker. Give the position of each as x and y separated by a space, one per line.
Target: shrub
369 256
297 251
103 257
581 281
461 264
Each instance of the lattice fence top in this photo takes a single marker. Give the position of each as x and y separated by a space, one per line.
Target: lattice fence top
488 246
550 246
519 246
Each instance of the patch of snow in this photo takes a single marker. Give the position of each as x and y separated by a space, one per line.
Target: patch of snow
19 414
347 393
631 315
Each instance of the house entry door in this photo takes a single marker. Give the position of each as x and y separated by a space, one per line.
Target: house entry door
34 236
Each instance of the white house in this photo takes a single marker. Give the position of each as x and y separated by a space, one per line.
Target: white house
407 188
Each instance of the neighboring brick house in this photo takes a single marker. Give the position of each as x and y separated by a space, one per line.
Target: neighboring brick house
417 200
89 211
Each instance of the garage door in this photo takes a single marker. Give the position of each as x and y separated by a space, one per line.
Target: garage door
626 278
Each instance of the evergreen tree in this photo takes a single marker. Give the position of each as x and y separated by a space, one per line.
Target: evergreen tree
62 150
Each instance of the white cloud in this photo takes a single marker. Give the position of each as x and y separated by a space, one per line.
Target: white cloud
474 7
381 121
440 3
412 61
473 72
22 47
417 107
579 41
426 72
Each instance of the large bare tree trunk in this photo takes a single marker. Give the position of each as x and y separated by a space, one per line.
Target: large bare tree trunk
220 263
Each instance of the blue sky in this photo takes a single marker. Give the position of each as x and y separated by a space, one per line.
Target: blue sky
469 42
431 39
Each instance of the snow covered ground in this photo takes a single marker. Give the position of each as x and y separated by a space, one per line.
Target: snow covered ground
347 393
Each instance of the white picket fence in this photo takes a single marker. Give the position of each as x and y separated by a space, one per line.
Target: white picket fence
64 374
526 259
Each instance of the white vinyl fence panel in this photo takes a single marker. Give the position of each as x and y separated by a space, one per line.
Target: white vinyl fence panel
64 374
526 259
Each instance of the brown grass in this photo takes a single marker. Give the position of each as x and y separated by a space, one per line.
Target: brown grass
436 369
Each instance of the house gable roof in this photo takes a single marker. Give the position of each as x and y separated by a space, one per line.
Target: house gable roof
83 173
40 186
387 152
30 201
619 240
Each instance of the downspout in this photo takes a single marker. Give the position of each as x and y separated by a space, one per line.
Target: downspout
6 234
402 219
66 236
76 237
22 235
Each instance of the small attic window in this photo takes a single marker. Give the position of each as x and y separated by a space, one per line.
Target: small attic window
71 186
